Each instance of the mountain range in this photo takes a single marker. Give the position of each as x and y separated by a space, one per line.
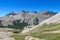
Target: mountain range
44 25
24 18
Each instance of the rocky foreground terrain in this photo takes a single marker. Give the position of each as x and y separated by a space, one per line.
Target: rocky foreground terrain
5 35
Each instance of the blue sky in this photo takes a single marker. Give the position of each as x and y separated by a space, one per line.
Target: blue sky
7 6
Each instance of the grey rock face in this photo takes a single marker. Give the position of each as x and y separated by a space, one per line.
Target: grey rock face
28 17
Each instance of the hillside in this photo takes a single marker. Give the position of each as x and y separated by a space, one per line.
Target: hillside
46 32
48 29
53 20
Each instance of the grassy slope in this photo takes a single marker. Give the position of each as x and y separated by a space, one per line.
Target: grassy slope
37 32
49 36
18 37
45 27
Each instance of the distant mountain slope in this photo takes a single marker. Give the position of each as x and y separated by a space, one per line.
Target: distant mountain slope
25 18
52 20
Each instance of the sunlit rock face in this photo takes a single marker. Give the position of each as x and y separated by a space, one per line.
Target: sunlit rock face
29 18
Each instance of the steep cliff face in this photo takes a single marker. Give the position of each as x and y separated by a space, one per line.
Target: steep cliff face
29 18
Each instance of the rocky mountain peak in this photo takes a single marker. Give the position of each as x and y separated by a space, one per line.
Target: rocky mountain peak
11 13
25 18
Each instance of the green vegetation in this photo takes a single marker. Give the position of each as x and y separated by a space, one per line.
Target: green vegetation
1 26
16 31
50 27
45 27
36 21
38 32
47 36
18 25
18 37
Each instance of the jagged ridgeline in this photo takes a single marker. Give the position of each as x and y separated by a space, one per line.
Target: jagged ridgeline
19 20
